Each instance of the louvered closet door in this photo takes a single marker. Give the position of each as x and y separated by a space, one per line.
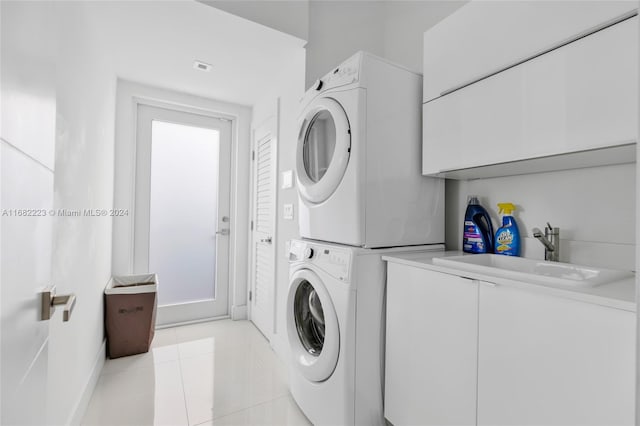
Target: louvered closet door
264 193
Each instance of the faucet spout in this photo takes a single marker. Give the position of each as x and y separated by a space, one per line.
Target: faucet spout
550 240
537 233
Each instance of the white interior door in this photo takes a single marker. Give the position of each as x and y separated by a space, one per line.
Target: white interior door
182 211
27 232
27 147
262 292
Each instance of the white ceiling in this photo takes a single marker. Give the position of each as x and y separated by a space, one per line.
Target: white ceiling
156 43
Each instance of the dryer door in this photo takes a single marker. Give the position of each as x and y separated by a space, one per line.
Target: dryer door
324 146
312 326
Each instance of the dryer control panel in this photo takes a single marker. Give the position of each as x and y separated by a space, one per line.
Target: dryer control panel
335 261
345 73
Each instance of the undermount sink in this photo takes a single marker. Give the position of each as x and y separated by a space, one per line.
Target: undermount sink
532 270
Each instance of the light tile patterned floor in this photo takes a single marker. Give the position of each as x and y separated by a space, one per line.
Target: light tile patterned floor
214 373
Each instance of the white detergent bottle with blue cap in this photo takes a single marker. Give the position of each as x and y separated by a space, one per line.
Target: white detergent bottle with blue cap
507 239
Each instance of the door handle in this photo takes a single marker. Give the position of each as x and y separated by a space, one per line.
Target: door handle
224 231
267 240
49 300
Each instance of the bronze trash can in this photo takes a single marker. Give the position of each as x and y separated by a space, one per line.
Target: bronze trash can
130 313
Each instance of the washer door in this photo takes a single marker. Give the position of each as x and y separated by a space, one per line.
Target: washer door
312 326
324 145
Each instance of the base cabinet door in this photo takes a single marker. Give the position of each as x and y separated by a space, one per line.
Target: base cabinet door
545 360
431 348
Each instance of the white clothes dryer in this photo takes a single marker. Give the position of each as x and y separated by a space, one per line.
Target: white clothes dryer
335 327
358 159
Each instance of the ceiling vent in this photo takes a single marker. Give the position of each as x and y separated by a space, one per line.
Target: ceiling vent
202 66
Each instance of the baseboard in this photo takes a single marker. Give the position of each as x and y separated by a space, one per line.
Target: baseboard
239 312
83 402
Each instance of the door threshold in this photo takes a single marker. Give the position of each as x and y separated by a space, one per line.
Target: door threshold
197 321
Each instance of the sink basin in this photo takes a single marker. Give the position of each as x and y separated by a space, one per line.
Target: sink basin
536 271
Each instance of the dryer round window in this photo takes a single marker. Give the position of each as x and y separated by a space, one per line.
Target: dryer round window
312 326
319 145
324 146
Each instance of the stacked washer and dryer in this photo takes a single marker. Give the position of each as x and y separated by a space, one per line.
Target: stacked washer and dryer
362 196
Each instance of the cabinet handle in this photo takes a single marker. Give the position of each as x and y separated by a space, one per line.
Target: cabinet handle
558 45
488 284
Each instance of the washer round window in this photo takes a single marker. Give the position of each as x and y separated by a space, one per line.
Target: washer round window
309 318
319 145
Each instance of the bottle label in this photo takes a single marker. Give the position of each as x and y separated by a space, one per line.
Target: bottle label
504 241
472 241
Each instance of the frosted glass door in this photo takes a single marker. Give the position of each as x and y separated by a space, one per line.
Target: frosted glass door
182 211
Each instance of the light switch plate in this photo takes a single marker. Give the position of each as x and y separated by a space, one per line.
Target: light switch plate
288 211
287 179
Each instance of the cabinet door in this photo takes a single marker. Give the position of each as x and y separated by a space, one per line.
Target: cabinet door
578 97
546 360
484 36
431 347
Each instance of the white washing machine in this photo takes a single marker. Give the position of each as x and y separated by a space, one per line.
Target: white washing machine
358 159
335 327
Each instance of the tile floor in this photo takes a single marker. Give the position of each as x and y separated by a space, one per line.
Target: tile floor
214 373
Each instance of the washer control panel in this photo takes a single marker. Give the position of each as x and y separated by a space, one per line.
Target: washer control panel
335 261
308 253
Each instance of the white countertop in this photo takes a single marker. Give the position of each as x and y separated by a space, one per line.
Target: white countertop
619 295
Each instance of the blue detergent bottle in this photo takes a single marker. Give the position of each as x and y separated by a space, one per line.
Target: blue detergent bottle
477 235
508 236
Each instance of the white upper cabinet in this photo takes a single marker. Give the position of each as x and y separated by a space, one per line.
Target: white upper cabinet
573 99
485 36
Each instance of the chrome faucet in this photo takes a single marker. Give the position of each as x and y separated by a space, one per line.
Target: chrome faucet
550 240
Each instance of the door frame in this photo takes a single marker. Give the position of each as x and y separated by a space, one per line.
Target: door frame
272 121
129 95
188 311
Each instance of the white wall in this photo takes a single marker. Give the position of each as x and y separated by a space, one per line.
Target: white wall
637 266
85 88
390 29
338 29
291 17
285 93
405 23
125 148
593 207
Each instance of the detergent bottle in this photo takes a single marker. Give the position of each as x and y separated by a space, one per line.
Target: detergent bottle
508 237
477 235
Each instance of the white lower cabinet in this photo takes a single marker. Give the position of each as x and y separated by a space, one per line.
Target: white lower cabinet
466 352
431 348
546 360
